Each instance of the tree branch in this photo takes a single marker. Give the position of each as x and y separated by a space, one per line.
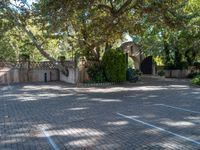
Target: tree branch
105 8
123 8
34 40
111 3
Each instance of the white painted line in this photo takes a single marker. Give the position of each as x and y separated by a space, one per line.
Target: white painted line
178 108
159 128
51 142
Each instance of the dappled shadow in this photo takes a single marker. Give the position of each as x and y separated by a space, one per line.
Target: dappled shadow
85 118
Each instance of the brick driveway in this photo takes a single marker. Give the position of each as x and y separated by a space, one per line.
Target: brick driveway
152 115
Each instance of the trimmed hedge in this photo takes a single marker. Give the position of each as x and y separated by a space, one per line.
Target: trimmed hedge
114 65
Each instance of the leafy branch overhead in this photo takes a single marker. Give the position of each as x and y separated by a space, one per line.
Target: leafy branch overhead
89 26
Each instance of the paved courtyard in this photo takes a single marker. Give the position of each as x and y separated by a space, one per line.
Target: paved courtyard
152 115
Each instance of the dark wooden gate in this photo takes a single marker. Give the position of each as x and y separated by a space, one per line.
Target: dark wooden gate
147 65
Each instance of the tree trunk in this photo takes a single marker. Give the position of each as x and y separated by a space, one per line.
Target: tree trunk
166 50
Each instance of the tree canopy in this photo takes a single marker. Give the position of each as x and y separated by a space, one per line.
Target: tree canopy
88 27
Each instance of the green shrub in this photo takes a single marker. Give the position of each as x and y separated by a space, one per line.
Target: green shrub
161 73
130 63
169 66
138 72
61 58
24 57
180 66
197 64
196 80
193 75
114 64
183 65
96 73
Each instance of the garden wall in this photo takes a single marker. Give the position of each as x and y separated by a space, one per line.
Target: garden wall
177 73
15 72
73 76
8 75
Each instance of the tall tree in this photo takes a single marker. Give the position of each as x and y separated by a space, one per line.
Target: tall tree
98 22
90 25
178 40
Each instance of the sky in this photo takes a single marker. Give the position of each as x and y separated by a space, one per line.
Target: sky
31 1
28 1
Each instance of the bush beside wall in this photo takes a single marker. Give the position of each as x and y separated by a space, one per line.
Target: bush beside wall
96 73
114 65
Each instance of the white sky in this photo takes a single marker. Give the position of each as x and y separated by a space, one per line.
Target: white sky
128 38
17 3
31 1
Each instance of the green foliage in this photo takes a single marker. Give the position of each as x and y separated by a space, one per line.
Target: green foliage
193 75
180 65
90 25
6 50
96 73
114 65
158 61
161 73
130 63
61 58
196 80
197 65
138 72
24 57
175 44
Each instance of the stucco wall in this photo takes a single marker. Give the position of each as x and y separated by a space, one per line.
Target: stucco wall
177 73
72 77
8 75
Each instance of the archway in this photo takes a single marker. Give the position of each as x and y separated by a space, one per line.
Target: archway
145 64
148 66
134 62
134 52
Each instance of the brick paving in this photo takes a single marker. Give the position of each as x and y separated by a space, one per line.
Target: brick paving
86 118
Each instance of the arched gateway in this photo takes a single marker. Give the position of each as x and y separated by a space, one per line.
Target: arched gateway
140 62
